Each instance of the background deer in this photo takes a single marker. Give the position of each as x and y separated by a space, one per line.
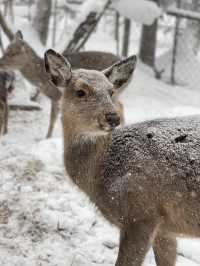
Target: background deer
144 178
20 56
6 86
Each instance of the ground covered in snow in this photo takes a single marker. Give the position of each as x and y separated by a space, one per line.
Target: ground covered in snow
44 218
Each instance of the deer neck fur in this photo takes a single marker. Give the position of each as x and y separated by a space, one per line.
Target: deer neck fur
83 154
33 69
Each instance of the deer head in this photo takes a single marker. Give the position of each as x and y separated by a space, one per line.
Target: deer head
87 104
15 55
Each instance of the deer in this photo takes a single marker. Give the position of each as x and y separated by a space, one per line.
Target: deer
6 86
144 177
2 117
19 55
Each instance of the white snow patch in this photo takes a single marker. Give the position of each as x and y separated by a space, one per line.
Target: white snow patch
142 11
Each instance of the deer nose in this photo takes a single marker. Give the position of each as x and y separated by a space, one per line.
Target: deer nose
112 119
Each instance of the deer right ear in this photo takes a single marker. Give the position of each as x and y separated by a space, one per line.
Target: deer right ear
57 68
121 72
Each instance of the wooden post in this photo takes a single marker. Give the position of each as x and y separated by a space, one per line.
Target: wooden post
175 46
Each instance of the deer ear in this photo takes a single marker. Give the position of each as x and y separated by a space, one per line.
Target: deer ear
121 72
57 68
19 35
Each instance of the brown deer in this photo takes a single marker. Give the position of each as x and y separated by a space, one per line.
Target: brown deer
20 56
3 115
6 86
144 178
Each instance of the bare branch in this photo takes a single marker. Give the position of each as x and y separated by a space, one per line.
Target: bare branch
85 29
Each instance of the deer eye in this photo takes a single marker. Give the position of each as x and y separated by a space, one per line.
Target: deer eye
80 93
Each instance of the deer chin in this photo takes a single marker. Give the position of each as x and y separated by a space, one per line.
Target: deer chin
106 128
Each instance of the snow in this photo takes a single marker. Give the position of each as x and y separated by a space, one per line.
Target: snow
44 219
142 11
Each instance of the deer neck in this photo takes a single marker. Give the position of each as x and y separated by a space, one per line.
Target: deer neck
33 69
83 154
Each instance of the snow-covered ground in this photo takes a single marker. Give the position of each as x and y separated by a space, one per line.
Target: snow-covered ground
44 219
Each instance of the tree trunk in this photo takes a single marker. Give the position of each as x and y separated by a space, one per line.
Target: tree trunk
42 18
195 28
117 32
8 9
126 38
148 43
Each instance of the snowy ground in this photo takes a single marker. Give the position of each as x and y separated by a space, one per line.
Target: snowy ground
44 219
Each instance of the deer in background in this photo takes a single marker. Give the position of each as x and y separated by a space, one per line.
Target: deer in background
144 178
6 86
20 56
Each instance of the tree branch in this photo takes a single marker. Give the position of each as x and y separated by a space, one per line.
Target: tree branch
84 30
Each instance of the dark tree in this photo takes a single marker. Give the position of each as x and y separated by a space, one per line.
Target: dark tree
148 42
126 37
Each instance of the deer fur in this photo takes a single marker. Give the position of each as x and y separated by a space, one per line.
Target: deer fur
20 56
6 86
144 178
2 117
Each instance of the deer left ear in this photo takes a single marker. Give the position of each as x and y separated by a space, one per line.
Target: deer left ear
57 67
121 72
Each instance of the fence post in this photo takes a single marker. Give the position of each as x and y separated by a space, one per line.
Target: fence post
174 52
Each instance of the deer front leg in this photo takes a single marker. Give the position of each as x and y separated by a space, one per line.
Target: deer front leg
165 250
2 110
134 244
53 117
6 113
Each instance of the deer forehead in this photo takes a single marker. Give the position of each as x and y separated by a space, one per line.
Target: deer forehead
91 79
